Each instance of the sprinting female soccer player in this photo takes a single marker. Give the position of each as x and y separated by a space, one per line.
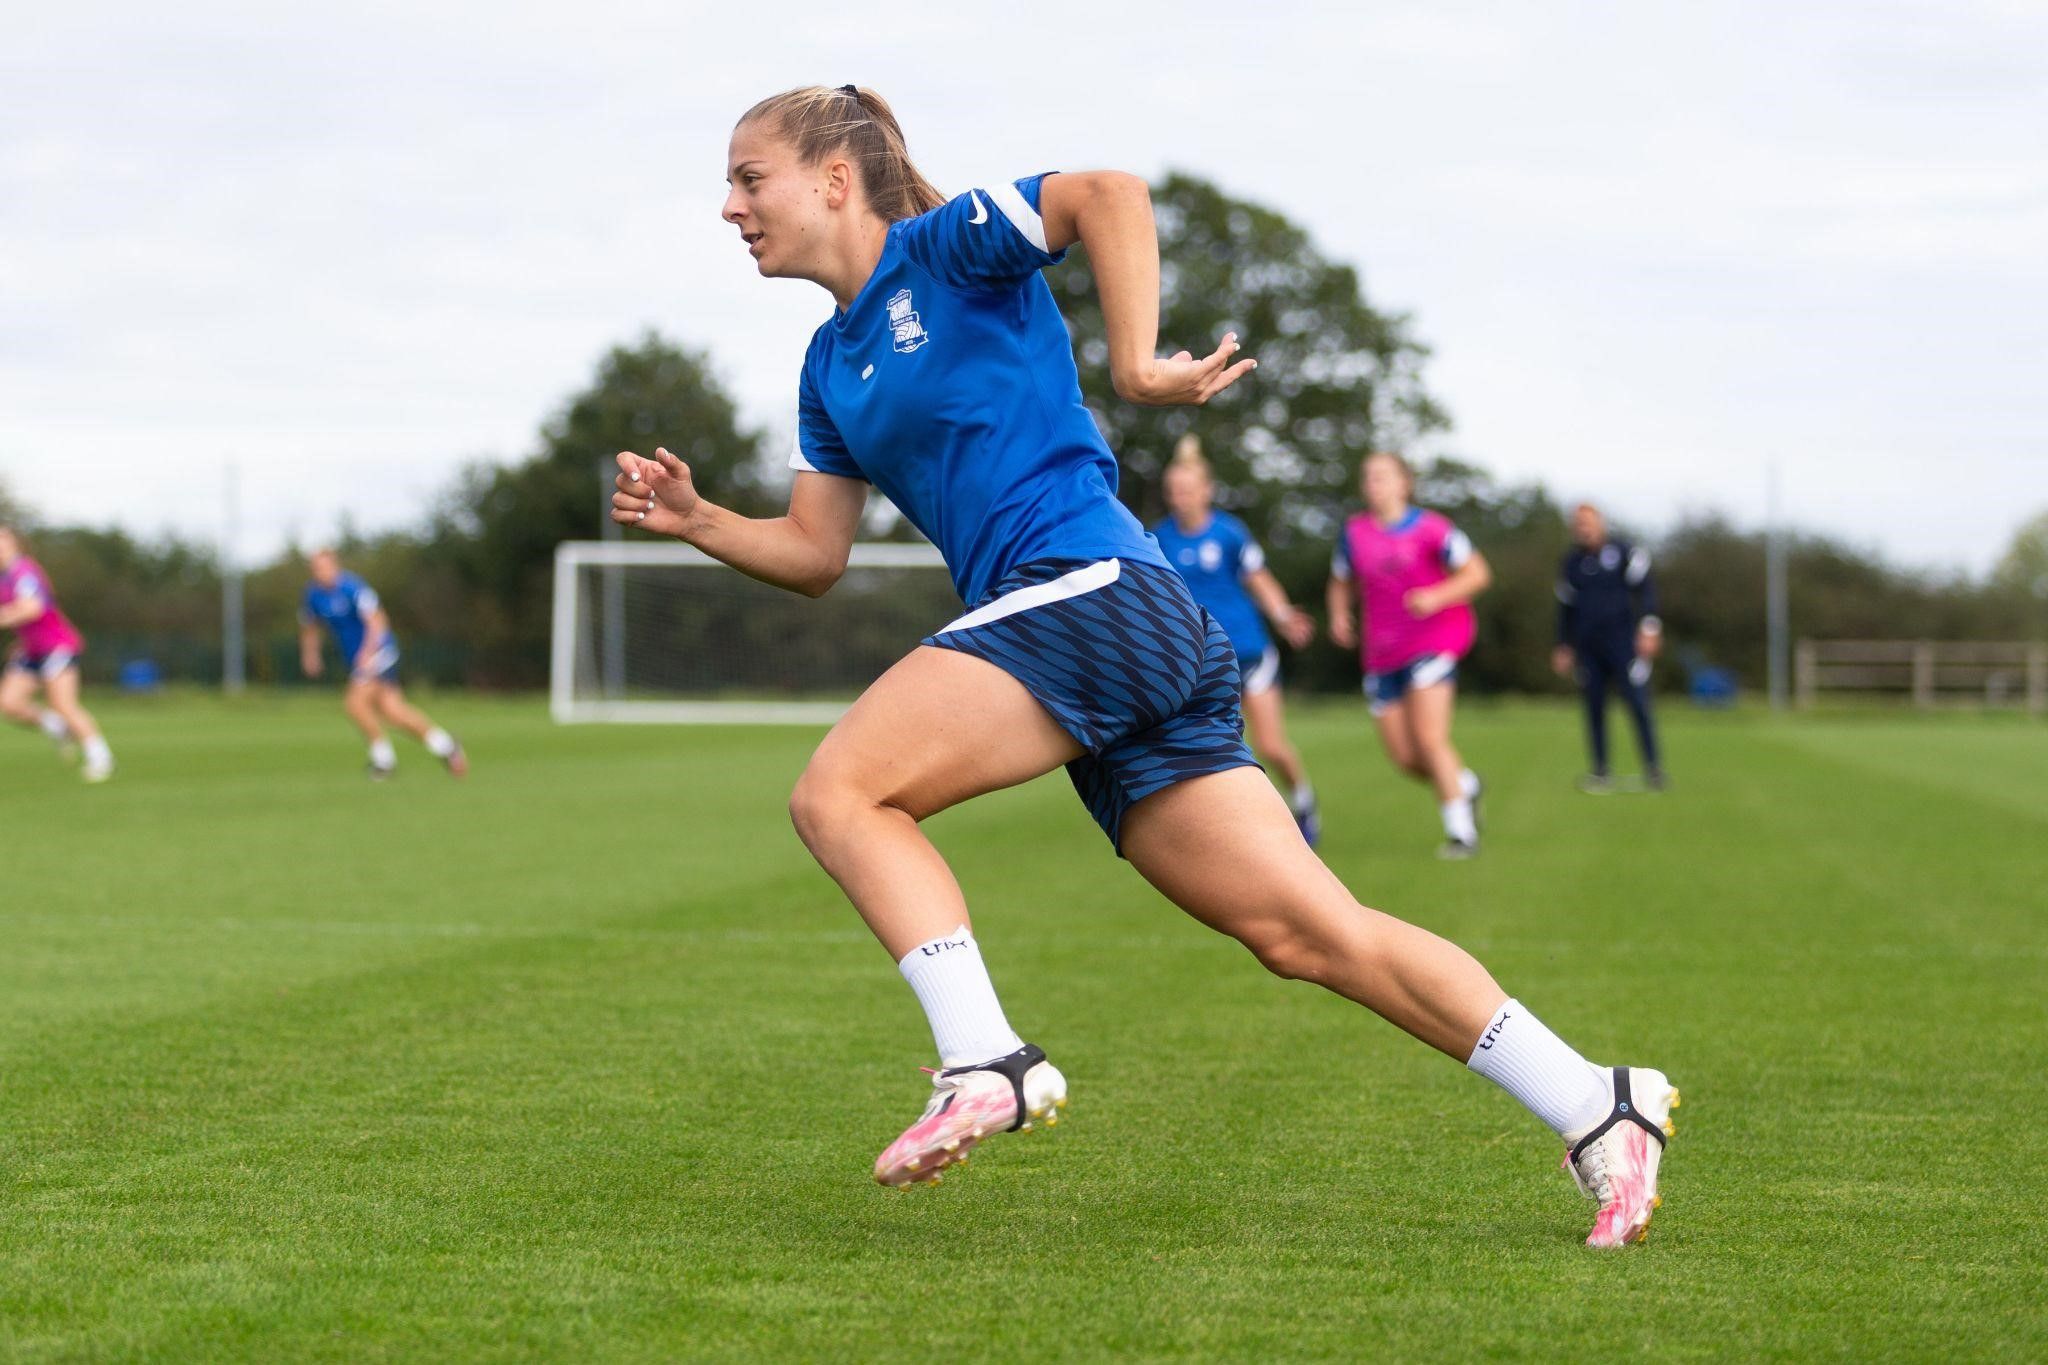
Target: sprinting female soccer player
1413 576
945 378
44 654
349 608
1226 574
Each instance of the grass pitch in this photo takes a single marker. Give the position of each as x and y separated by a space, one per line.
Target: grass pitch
582 1059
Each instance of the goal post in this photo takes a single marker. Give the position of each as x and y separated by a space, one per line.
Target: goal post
663 633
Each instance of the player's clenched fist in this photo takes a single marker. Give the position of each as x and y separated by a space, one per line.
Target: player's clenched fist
655 495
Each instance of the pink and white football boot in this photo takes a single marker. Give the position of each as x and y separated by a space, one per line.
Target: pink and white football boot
1615 1161
969 1103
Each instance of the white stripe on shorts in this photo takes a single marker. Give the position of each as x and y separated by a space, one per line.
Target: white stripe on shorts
1086 579
1431 670
1264 674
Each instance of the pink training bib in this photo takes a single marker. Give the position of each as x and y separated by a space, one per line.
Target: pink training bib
49 632
1384 564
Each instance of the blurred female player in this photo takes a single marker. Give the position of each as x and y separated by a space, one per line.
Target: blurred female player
945 378
1226 573
44 654
350 610
1413 576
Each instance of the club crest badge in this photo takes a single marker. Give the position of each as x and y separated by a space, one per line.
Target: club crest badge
909 333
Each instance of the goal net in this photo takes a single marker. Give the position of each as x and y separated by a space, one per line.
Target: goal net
666 634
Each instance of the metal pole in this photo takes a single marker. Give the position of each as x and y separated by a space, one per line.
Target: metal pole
614 591
1776 615
233 646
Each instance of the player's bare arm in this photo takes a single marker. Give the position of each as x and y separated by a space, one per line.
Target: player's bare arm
1110 213
1337 598
1466 582
376 631
803 550
1295 626
310 662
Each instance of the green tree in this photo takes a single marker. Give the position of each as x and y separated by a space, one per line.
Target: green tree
502 523
2024 566
1336 379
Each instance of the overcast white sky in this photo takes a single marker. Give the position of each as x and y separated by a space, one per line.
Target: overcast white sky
350 247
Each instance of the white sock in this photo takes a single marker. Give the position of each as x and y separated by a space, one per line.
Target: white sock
439 742
1518 1054
1468 783
958 998
54 726
382 755
1458 822
1302 799
96 751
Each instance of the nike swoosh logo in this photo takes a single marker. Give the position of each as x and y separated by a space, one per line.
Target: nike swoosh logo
980 209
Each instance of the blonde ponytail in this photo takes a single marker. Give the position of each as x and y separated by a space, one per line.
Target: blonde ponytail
1187 454
821 121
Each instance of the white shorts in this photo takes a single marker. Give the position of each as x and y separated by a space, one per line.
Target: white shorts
1264 675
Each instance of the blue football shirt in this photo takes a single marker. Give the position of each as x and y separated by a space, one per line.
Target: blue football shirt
949 384
1215 561
345 609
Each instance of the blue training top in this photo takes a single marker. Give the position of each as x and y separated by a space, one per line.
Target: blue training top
1215 562
949 384
345 609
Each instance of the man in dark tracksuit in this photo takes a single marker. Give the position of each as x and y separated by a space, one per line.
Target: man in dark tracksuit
1608 632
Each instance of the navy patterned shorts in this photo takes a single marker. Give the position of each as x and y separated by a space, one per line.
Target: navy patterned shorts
1126 662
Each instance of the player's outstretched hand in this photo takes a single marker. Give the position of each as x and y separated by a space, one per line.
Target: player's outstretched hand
1183 380
655 495
1298 628
1343 633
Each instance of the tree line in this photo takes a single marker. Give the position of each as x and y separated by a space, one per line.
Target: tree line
468 586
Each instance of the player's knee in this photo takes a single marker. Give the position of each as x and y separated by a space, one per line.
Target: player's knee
823 804
1285 951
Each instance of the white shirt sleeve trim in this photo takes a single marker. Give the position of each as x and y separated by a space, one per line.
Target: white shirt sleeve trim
1252 560
796 456
1018 210
1457 550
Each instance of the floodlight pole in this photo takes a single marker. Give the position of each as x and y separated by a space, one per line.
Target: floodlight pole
233 647
1776 615
614 589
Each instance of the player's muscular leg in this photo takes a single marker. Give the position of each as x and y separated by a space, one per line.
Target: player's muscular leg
17 693
1224 848
62 692
1269 734
1397 737
936 729
1429 712
360 702
393 707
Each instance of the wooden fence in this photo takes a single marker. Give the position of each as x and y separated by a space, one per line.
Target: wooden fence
1927 673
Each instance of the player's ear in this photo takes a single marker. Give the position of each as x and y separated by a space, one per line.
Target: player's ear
838 182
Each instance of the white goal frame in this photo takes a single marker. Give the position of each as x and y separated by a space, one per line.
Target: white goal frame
566 708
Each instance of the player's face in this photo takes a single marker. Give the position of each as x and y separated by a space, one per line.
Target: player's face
10 548
1385 485
326 569
776 201
1589 528
1188 492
